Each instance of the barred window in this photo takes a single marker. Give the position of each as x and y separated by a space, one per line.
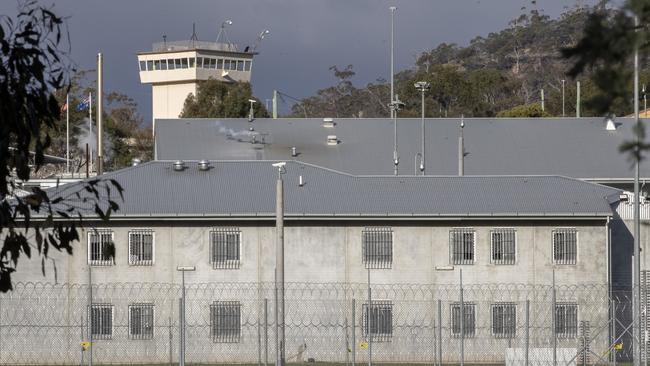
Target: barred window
565 246
141 247
225 321
101 249
461 246
469 320
377 246
101 320
566 320
504 246
504 320
225 247
379 323
141 321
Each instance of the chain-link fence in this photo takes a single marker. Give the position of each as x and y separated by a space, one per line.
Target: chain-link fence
138 323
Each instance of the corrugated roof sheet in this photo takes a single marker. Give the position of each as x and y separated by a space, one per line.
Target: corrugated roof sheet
578 148
247 188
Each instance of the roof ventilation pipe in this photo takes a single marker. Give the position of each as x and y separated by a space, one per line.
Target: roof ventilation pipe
328 122
294 153
204 165
610 125
135 162
179 165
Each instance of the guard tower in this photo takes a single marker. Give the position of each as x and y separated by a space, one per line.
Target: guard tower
174 69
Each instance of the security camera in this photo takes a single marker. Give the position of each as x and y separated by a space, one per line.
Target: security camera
280 165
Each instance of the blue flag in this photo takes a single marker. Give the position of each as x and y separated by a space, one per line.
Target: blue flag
84 104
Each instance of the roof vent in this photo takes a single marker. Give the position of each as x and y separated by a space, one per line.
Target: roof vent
332 140
204 165
179 165
301 182
328 122
294 153
135 162
610 125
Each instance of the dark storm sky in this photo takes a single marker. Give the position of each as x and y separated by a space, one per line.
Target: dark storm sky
307 36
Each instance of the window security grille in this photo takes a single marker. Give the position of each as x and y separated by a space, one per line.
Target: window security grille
141 321
100 248
503 246
225 247
101 320
377 243
566 320
504 320
461 243
565 246
469 320
379 323
141 247
225 321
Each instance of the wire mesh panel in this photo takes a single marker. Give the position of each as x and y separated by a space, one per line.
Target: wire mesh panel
100 247
462 246
141 247
225 318
565 246
141 321
377 248
503 246
225 248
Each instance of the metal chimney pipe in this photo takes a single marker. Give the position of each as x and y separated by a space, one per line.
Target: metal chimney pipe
578 99
461 149
275 104
100 109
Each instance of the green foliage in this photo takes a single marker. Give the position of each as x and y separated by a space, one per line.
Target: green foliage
525 111
32 66
218 99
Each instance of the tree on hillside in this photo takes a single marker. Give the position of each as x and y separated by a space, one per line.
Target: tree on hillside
33 66
218 99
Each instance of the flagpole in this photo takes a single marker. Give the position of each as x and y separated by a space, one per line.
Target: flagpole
67 133
90 124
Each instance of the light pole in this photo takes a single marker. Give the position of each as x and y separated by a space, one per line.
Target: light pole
422 86
563 112
251 112
645 102
395 106
392 49
181 340
279 263
263 34
222 31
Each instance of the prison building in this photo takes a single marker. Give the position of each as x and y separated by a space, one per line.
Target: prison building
536 245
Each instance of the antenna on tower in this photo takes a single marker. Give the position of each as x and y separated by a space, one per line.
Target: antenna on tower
194 37
222 33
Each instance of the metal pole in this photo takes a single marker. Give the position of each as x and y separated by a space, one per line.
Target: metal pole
90 311
578 99
439 332
554 321
563 82
259 339
395 156
90 124
67 133
636 308
462 322
461 149
275 104
266 332
527 332
180 331
392 57
100 94
276 328
279 224
354 332
613 331
183 319
368 314
171 339
81 329
542 100
563 110
422 166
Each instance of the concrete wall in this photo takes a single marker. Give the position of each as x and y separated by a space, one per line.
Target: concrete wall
168 99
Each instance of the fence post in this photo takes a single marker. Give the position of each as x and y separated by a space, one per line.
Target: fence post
180 333
81 329
462 322
554 312
527 332
613 331
170 341
259 337
354 333
266 332
440 332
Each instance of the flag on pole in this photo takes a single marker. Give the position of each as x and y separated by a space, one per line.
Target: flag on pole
84 104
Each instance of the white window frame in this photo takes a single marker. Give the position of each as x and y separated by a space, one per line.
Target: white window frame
103 306
225 339
228 263
462 231
498 230
506 334
153 321
577 251
141 262
100 262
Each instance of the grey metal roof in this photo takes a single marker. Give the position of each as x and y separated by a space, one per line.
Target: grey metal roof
578 148
247 189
